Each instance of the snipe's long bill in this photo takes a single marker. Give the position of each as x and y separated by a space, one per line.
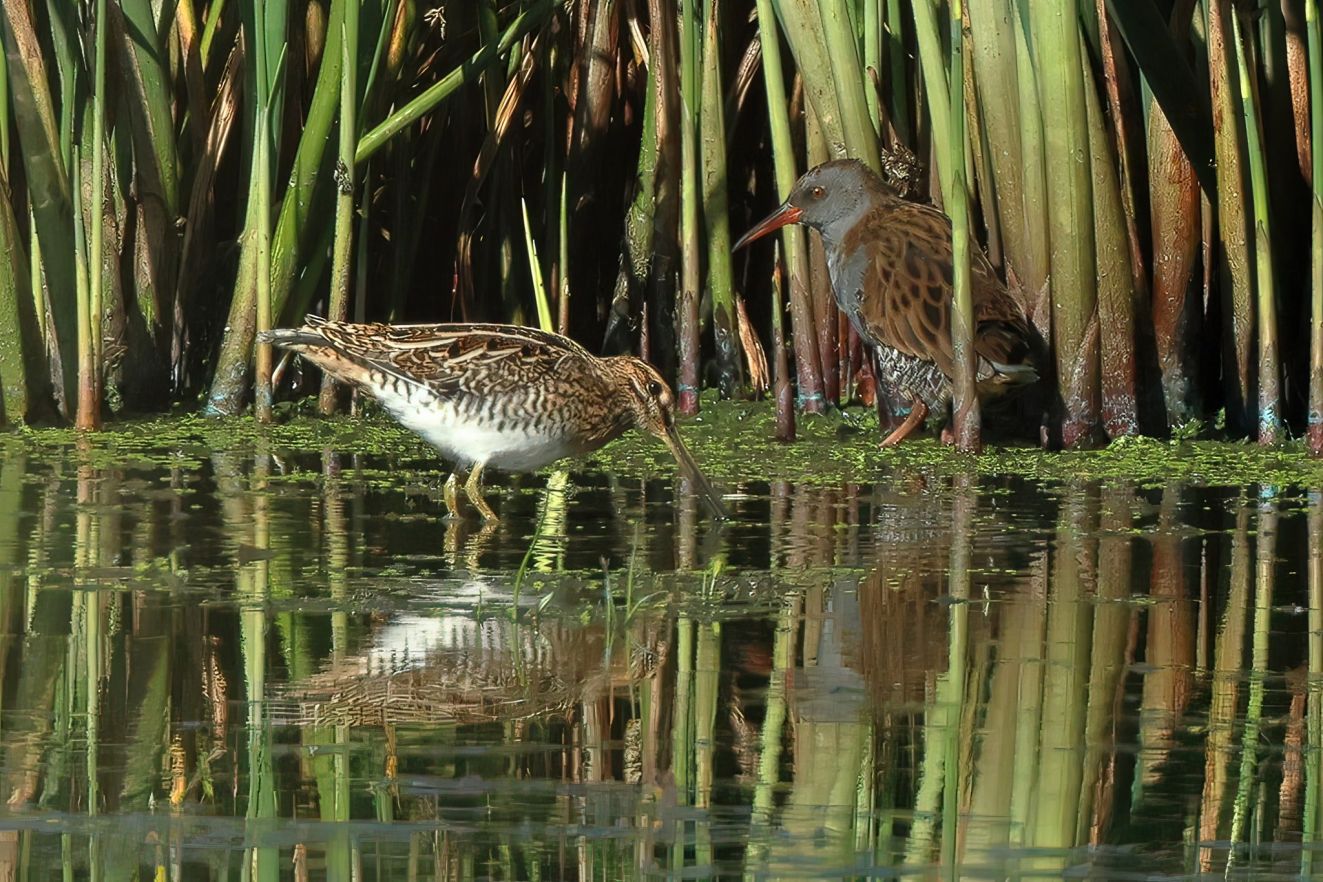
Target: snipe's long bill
505 396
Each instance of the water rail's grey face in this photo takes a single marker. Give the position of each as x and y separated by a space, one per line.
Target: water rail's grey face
824 197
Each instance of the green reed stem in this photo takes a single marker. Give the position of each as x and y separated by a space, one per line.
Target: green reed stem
89 402
259 214
872 62
849 79
1315 431
86 415
690 267
716 216
343 247
1270 395
932 60
808 372
965 402
1060 65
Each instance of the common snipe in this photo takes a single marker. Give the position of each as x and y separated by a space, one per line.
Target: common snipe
891 271
509 397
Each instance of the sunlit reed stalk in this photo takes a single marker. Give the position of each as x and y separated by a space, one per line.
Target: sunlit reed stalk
345 179
1315 430
850 80
965 407
932 61
781 386
260 211
85 417
807 372
1269 383
90 382
540 300
716 216
563 261
690 270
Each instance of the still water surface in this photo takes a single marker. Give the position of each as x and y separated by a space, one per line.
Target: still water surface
265 664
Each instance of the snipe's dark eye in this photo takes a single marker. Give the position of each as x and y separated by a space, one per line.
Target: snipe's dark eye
817 192
654 388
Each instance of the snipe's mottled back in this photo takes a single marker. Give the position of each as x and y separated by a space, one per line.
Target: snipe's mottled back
505 396
891 271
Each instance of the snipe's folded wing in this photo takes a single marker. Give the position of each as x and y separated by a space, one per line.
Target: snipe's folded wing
456 359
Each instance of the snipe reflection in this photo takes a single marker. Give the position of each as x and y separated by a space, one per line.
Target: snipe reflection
247 665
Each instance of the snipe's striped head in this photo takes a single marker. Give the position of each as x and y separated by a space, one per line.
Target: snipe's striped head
652 406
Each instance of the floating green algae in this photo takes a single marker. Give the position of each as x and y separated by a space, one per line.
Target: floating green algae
733 441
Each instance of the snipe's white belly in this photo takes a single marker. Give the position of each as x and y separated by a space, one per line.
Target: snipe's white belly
504 442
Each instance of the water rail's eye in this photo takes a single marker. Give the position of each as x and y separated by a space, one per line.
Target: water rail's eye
817 192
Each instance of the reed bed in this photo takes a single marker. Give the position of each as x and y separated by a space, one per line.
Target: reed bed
1144 176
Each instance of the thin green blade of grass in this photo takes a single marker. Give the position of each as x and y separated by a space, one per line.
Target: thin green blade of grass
396 122
544 319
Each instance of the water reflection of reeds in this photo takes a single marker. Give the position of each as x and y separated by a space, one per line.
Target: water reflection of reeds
937 676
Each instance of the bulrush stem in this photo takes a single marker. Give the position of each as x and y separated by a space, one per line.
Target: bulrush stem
1270 386
720 281
1061 86
1315 430
808 372
965 403
690 269
342 249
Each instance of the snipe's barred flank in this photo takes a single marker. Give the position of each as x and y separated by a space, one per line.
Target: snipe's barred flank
505 396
